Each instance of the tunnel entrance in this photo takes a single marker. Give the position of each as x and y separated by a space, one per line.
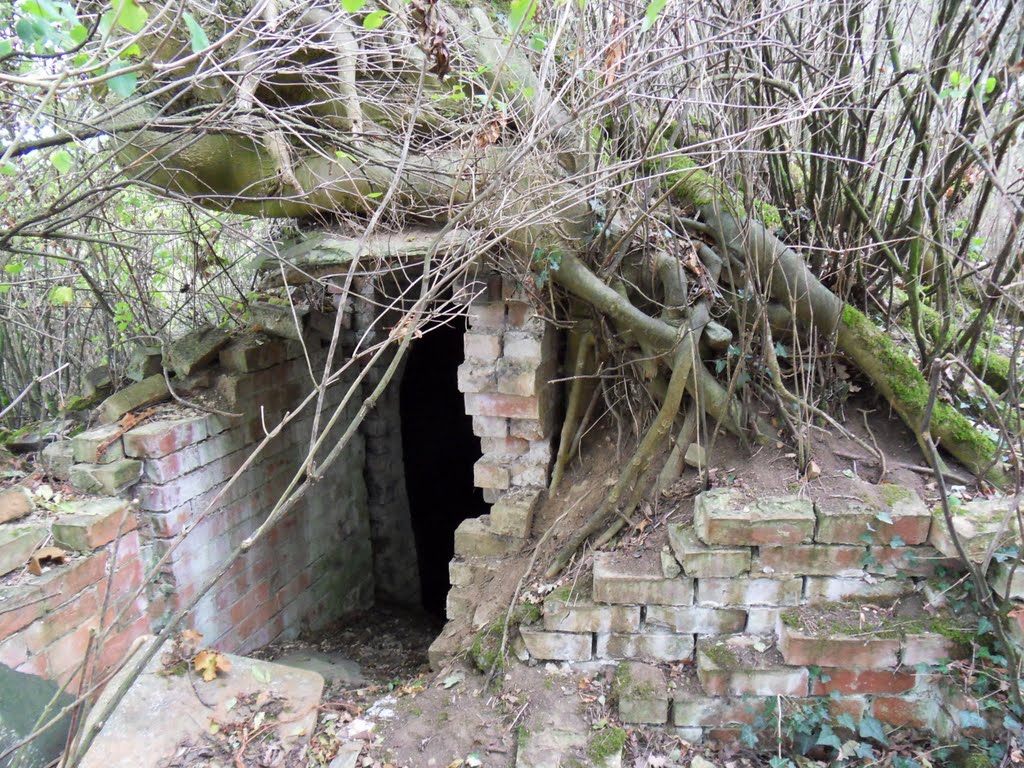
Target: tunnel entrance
438 450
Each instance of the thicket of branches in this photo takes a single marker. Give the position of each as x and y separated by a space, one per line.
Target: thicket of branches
720 201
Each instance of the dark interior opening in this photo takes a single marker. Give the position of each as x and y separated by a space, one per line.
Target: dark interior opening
439 450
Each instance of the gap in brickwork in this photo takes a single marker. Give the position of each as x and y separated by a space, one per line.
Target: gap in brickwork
439 450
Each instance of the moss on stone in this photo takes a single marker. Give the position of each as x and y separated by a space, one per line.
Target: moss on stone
485 649
722 656
606 743
894 494
693 185
526 613
768 214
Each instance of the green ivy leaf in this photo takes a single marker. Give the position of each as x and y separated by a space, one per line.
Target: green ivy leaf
374 195
196 33
14 268
6 48
353 6
7 168
990 85
954 78
520 14
122 85
62 295
130 15
870 728
62 160
79 34
654 9
375 20
828 738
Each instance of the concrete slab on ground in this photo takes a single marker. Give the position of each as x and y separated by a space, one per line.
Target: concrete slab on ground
164 714
334 667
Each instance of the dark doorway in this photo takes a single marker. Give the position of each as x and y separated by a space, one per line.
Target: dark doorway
439 450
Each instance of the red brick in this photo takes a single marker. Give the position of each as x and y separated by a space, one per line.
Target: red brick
67 654
909 561
931 649
13 619
491 474
14 651
901 712
160 438
854 681
491 316
88 532
77 612
800 648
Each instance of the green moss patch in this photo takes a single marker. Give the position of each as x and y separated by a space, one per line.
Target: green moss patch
605 744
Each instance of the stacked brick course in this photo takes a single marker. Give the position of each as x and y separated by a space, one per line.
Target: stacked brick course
747 604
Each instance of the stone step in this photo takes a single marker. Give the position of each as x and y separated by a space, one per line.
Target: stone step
740 665
642 693
476 538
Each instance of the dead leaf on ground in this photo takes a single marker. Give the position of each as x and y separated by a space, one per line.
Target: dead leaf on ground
46 556
208 663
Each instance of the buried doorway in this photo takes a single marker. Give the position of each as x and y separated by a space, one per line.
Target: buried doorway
438 450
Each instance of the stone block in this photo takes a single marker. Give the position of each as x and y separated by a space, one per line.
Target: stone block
155 439
525 346
826 589
670 567
195 350
557 646
17 543
254 353
529 429
698 621
509 447
527 472
283 321
921 561
521 377
625 580
749 591
98 446
725 516
696 456
91 524
474 538
491 473
138 395
699 560
645 646
891 514
15 503
458 605
642 693
106 479
460 573
732 666
1005 578
810 560
144 362
490 316
828 648
481 346
57 458
512 514
761 621
981 524
932 648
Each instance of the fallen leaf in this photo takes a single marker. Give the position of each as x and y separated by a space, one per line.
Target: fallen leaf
813 471
452 680
261 675
209 663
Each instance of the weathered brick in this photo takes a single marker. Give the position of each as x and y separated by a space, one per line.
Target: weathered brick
159 438
981 524
256 353
697 620
1007 579
524 346
557 646
57 458
491 473
85 446
91 524
629 581
529 429
481 346
15 503
748 591
504 406
699 560
512 514
474 538
522 378
826 589
645 646
195 350
17 543
869 523
138 395
923 561
484 315
761 621
474 376
490 426
642 693
906 712
566 610
810 560
722 673
725 516
932 648
504 446
802 647
108 479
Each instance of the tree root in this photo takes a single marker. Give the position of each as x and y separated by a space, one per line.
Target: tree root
572 420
